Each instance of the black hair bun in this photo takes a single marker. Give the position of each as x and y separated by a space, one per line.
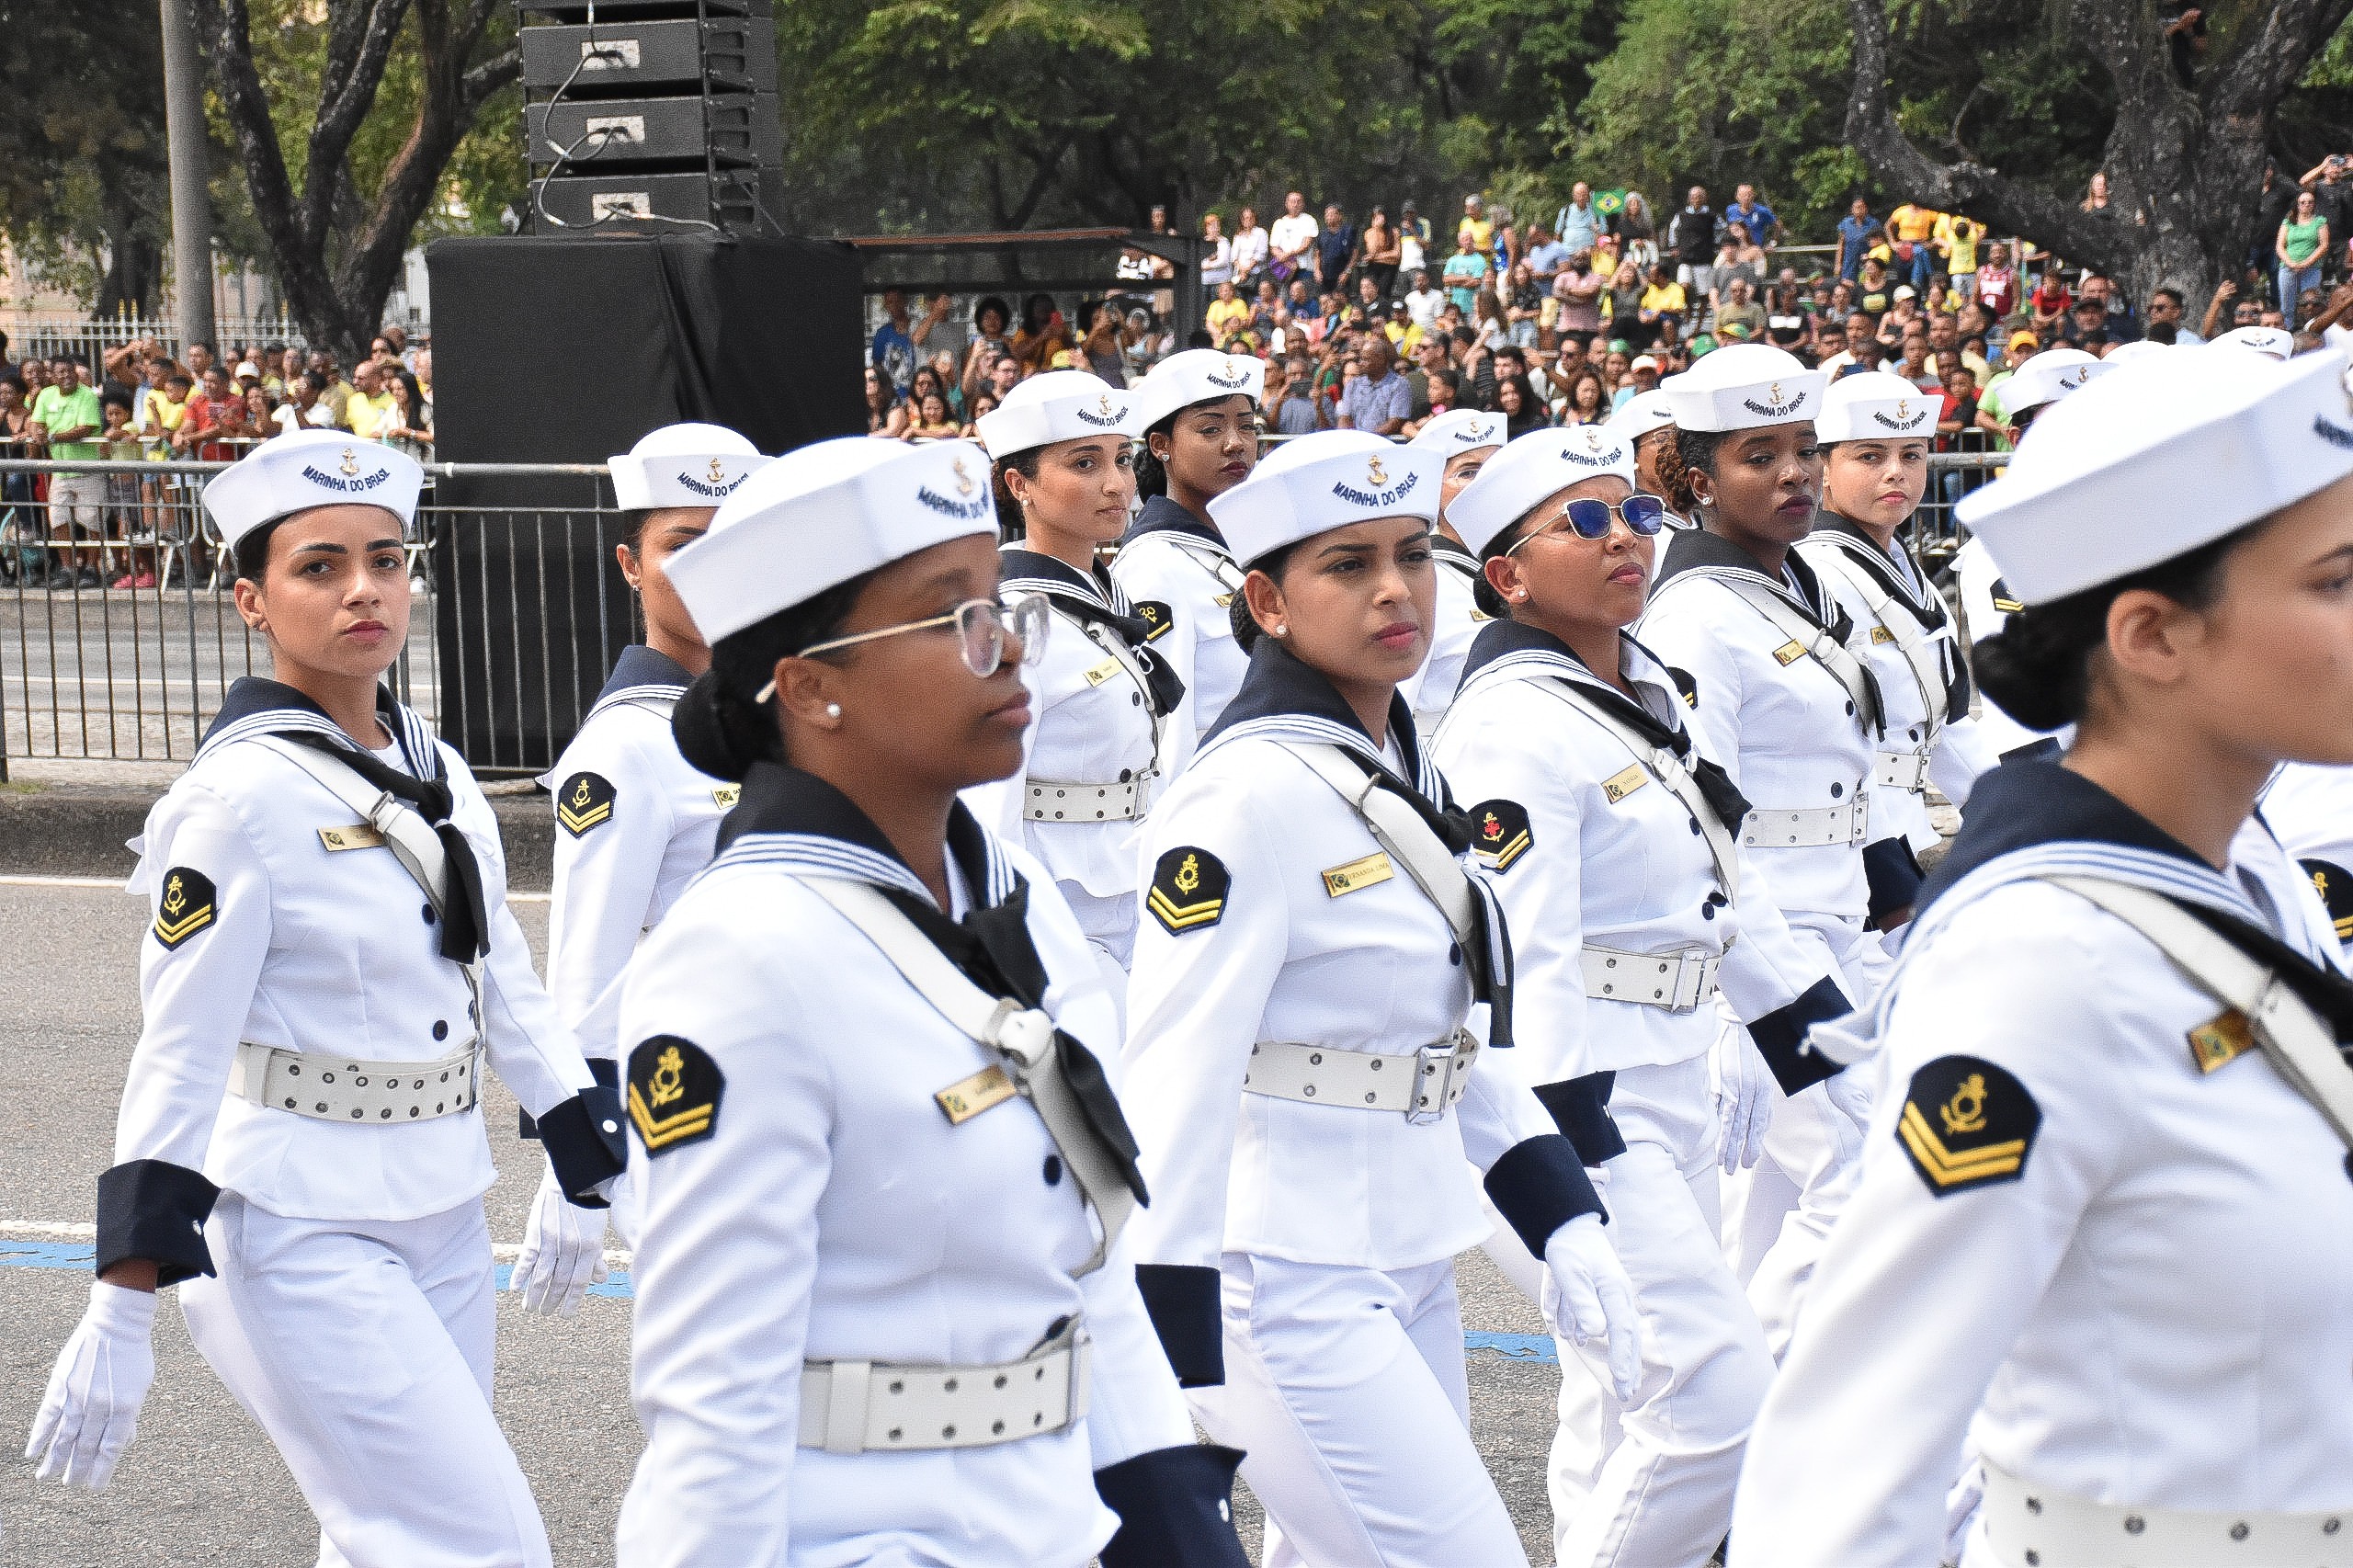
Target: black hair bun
708 726
2036 669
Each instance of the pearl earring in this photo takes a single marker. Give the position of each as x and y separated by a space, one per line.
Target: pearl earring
833 710
1282 628
1519 592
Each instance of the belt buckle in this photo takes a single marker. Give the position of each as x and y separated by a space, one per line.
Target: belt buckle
1442 1096
1690 968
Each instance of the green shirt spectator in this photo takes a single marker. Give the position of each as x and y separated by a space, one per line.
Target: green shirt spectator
59 410
1465 270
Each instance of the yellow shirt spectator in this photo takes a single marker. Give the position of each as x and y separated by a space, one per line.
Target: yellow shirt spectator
1481 233
1226 316
1960 236
1914 223
364 416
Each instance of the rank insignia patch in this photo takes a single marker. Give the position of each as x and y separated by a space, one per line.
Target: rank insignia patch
186 908
1967 1123
674 1092
585 802
1155 617
2221 1040
1687 684
1189 888
1500 834
2003 600
726 795
2334 885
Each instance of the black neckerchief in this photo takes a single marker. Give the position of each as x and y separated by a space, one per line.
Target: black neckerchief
1160 515
1927 607
2030 801
640 665
1090 596
992 945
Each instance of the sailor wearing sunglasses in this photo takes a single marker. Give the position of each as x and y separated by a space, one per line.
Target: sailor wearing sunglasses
1611 841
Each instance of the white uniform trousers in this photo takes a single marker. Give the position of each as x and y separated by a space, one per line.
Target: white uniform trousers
1346 1388
1778 1213
364 1350
1651 1485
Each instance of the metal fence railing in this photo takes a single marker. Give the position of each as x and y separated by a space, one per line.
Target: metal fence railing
1951 475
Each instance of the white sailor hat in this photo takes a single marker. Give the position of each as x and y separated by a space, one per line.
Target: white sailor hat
2276 342
1540 463
1876 406
2147 465
1061 405
1744 386
825 513
682 465
1322 482
1198 375
311 468
2125 353
1460 430
1639 415
2050 375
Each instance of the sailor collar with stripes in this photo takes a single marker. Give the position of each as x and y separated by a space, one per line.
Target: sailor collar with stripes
1696 553
256 707
643 675
1505 650
1893 568
797 822
1160 515
1283 698
1032 572
1447 552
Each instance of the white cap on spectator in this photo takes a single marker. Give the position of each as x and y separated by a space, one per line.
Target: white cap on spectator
2277 342
2125 353
1875 405
1061 405
1905 291
825 513
1745 386
1198 375
1322 482
1644 362
2050 375
312 468
1460 430
683 465
1540 463
2149 464
1639 415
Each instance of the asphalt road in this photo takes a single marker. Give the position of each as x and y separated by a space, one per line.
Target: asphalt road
201 1487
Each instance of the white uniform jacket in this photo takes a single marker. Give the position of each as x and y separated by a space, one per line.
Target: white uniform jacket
1987 604
2119 1276
1175 572
2310 809
634 822
1790 734
1458 620
1102 696
1923 679
806 1197
1272 913
281 921
1585 847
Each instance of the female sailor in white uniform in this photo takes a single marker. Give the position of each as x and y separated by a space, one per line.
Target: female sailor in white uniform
884 1313
1647 426
2103 1231
1465 437
300 1143
1102 693
1611 842
1302 1028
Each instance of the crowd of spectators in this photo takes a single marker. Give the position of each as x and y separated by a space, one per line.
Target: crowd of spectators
75 533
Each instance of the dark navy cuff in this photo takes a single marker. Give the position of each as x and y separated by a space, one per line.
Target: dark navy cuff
603 1068
155 1209
1780 1036
1893 873
585 1143
1540 1186
1182 1300
1580 1108
1176 1508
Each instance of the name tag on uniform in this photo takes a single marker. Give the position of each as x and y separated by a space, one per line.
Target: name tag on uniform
358 835
967 1097
1790 653
2221 1040
1103 672
1882 634
1373 868
1619 785
726 795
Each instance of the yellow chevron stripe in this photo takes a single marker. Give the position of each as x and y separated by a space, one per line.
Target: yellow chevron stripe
581 822
1187 917
1501 859
661 1131
1948 1169
189 925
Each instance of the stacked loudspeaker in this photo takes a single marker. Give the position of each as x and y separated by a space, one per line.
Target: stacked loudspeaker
651 114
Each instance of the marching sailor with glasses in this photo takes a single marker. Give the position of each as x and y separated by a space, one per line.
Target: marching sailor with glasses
1465 439
1198 413
884 1312
1613 842
633 819
1760 649
1102 692
331 965
2102 1232
1309 1068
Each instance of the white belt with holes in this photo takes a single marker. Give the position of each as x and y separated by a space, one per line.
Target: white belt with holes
1676 981
1083 803
1423 1083
2037 1527
338 1088
849 1408
1907 770
1769 827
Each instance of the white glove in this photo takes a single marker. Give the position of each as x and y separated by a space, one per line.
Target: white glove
1850 1095
1745 1091
564 1252
1592 1297
91 1411
1961 1503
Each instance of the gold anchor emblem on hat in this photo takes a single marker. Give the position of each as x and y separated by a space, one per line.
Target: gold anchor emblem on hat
718 471
1903 408
1773 392
963 477
1103 404
2078 376
1188 875
1592 439
1965 1112
350 462
1375 473
670 1075
1231 368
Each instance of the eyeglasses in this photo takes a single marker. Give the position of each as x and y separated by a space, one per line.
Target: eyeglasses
981 626
1644 514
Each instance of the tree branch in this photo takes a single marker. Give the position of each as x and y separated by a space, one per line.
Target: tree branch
499 71
222 30
349 96
2286 35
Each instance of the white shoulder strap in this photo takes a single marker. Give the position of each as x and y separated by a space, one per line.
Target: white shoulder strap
1211 560
1823 648
1919 653
1110 641
2301 1046
1399 829
1023 1038
1663 765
